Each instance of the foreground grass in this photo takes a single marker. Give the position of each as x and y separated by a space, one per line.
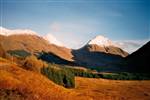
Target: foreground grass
19 84
104 89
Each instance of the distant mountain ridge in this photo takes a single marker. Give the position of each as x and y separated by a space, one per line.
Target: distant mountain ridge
50 38
99 51
33 44
8 32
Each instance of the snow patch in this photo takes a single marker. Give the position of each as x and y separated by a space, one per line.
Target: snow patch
8 32
101 41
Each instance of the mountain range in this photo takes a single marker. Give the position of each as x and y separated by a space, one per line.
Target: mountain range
98 52
34 67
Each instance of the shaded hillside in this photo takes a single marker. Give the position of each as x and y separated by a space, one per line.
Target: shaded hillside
138 61
101 54
103 61
52 58
33 44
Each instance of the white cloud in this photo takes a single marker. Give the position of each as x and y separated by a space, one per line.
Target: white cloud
55 26
131 45
52 40
67 33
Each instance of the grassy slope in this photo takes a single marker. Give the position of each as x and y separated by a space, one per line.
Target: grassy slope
19 84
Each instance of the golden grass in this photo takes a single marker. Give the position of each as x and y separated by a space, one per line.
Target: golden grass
103 89
3 60
17 83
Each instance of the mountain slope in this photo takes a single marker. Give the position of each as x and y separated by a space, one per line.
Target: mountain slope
33 44
99 52
103 44
28 40
139 60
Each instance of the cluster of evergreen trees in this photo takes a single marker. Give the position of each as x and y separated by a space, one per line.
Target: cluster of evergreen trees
82 73
60 76
65 76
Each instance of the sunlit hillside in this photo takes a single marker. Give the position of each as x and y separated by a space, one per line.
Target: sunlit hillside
19 84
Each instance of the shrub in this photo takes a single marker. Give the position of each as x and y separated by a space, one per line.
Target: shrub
33 64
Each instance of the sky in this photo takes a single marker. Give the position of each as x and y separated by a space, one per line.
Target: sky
75 22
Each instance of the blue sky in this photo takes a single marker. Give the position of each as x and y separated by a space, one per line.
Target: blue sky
74 22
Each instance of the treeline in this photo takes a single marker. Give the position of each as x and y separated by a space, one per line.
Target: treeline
65 76
126 76
82 73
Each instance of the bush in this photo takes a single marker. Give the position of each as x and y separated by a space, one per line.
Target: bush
33 64
60 76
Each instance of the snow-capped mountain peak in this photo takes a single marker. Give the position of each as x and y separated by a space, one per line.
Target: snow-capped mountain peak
52 40
101 41
7 32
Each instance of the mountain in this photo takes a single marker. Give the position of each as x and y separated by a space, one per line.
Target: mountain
103 44
50 38
99 51
8 32
31 43
138 61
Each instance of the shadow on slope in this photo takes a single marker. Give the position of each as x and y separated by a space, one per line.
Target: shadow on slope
52 58
99 60
138 61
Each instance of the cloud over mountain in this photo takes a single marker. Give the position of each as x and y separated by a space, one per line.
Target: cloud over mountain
131 45
52 40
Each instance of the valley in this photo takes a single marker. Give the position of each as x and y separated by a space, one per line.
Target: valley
74 50
19 84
